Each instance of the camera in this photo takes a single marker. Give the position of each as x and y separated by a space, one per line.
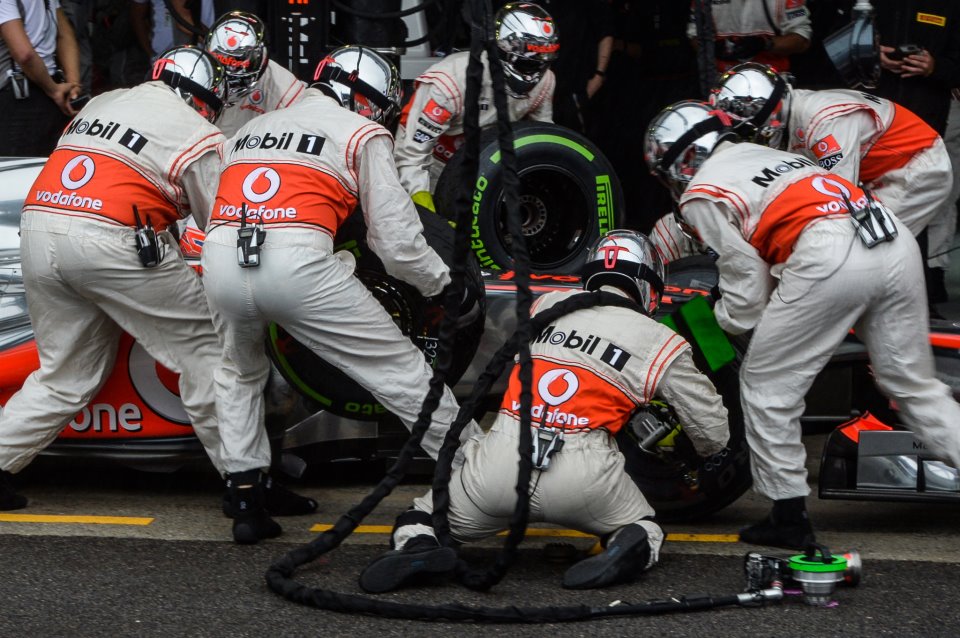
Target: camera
904 50
79 102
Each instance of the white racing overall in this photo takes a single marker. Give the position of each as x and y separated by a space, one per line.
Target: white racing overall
793 269
84 281
591 370
883 146
431 124
301 171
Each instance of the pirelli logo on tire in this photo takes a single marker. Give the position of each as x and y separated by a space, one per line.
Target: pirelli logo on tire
605 212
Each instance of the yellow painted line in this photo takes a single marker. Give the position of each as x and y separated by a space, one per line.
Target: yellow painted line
80 520
552 533
704 538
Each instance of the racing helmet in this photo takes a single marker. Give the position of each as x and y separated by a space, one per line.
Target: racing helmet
680 138
236 39
362 80
527 41
756 96
627 260
196 76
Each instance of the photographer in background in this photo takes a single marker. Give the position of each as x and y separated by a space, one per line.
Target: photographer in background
920 58
35 93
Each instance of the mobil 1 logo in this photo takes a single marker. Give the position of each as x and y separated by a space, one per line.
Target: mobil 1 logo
300 142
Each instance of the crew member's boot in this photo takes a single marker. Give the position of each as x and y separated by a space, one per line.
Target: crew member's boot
9 499
626 556
278 500
417 554
787 526
251 522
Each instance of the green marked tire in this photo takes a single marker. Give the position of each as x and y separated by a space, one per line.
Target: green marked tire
569 196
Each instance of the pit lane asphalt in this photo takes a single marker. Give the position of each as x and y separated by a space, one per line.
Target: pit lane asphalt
179 575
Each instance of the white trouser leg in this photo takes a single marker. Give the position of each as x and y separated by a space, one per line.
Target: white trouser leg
896 334
77 344
242 375
585 487
827 283
163 308
303 287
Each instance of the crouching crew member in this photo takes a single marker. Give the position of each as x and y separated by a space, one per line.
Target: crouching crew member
581 398
290 178
804 257
97 260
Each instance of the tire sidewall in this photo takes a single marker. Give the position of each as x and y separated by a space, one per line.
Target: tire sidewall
539 147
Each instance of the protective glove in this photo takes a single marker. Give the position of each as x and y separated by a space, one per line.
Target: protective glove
424 199
737 49
714 296
469 303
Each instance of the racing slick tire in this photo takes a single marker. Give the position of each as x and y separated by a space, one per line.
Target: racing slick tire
418 317
678 484
569 196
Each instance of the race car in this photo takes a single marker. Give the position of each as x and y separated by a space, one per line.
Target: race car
316 415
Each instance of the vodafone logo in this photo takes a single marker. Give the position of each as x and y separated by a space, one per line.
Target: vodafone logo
557 386
830 187
77 172
261 184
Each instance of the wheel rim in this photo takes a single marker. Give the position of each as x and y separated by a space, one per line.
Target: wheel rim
556 216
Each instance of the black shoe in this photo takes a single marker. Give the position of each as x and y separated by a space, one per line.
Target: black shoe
9 499
625 558
251 522
282 501
278 500
787 526
420 555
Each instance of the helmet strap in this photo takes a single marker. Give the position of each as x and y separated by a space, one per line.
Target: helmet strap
761 116
698 130
332 73
180 81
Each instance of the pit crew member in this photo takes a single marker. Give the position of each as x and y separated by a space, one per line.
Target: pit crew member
289 179
97 259
804 256
257 84
591 369
865 139
769 34
431 125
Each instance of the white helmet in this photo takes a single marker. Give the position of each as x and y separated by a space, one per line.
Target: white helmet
362 80
629 261
196 76
680 138
236 39
757 96
528 42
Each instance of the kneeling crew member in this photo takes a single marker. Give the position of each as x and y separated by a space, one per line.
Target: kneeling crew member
583 397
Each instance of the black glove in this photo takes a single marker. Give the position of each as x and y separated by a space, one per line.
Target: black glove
714 296
469 301
737 49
